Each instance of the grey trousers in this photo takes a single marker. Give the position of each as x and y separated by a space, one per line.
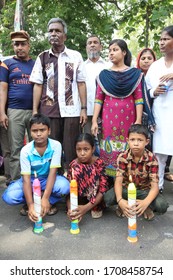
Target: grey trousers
18 124
5 150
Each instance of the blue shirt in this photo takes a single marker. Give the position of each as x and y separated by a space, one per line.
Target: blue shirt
16 73
31 160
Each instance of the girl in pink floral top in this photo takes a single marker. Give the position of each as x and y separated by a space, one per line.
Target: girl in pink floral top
89 172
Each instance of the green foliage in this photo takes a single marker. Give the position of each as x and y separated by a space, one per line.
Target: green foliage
82 17
137 21
147 17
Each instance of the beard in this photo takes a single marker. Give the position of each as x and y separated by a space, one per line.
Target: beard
93 54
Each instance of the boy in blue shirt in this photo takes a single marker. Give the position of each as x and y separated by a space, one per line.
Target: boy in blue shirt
43 156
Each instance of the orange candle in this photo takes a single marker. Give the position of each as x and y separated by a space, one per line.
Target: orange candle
74 204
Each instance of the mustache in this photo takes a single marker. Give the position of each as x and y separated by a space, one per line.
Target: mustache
20 51
52 37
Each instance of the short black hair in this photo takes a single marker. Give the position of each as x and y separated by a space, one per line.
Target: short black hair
85 137
140 129
39 118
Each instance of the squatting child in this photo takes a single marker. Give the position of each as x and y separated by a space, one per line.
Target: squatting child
142 165
43 156
89 172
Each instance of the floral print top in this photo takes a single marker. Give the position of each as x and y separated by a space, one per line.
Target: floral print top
91 178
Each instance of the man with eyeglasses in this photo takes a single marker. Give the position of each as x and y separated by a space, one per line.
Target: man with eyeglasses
59 88
16 97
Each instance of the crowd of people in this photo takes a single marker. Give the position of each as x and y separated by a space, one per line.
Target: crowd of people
65 104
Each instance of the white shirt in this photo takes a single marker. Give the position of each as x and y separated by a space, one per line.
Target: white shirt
162 108
92 71
74 58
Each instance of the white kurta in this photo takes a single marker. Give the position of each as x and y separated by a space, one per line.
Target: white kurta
162 108
92 71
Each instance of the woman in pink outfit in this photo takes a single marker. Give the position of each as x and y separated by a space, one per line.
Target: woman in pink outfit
120 95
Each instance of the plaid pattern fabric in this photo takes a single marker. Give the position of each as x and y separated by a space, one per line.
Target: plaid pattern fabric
143 173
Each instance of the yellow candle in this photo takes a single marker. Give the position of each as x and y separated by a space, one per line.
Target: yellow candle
132 234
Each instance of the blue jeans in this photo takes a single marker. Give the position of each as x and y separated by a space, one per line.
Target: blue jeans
14 194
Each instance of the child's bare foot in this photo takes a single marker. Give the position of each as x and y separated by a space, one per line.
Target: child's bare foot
53 210
96 214
148 214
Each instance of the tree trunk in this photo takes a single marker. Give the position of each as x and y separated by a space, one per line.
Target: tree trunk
2 4
147 26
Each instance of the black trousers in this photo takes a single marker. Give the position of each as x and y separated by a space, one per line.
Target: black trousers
66 130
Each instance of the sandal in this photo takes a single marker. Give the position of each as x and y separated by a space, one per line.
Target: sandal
24 210
148 214
53 210
96 214
168 177
119 213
